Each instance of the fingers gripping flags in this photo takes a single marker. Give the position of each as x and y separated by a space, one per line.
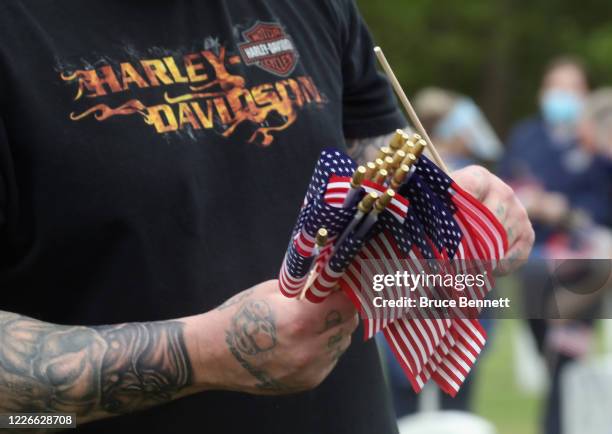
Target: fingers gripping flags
430 222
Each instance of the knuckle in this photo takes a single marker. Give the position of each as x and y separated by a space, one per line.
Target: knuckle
300 325
303 359
315 381
480 171
522 215
530 235
314 378
506 192
476 179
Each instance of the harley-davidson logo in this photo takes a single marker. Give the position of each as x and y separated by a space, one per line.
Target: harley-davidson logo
270 48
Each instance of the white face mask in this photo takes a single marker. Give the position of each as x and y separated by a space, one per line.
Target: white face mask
561 108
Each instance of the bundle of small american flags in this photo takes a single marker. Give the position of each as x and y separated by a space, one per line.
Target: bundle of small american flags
399 213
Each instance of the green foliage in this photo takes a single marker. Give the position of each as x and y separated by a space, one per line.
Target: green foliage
492 50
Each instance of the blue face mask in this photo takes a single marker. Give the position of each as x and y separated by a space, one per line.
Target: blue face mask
561 107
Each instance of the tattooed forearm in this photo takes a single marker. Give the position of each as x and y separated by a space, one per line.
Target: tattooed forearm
363 150
252 336
235 299
91 371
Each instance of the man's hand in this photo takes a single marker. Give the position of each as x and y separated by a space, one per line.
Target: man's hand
265 343
501 200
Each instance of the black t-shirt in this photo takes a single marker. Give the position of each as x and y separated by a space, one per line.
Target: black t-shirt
153 157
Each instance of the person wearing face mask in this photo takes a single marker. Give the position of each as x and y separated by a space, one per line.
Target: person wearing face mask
565 189
461 132
545 159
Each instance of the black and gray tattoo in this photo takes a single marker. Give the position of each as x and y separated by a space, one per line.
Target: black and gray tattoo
334 343
332 319
86 370
232 301
363 150
252 336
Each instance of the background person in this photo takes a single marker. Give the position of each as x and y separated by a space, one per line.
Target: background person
563 187
458 128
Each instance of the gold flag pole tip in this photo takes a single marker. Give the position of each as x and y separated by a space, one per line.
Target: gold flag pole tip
400 176
399 157
321 238
381 176
409 160
384 151
366 204
419 147
359 176
371 170
384 201
388 163
408 146
397 141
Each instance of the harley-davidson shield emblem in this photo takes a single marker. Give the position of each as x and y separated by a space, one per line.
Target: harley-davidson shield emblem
270 48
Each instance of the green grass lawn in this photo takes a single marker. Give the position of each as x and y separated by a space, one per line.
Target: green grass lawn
497 398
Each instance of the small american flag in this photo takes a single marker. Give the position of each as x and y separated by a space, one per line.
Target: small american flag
430 221
314 214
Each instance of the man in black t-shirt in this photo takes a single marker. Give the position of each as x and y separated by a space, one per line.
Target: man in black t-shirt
153 156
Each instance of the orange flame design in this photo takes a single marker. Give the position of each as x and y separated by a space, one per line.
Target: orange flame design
261 105
103 111
233 87
74 76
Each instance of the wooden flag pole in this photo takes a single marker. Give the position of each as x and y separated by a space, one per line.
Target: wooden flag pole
408 107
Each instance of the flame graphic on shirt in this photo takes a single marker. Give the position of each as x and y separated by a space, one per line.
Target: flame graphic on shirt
218 101
102 112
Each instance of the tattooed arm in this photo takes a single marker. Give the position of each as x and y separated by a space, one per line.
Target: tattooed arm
256 342
364 150
92 371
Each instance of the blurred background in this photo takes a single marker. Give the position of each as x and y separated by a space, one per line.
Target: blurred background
523 87
492 50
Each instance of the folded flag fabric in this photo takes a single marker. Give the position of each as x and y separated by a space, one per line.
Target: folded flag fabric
430 225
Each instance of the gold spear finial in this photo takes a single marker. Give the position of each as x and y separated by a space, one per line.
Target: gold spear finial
383 152
388 163
397 141
419 146
398 158
409 160
400 176
384 201
366 204
381 176
358 177
409 147
321 239
371 170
